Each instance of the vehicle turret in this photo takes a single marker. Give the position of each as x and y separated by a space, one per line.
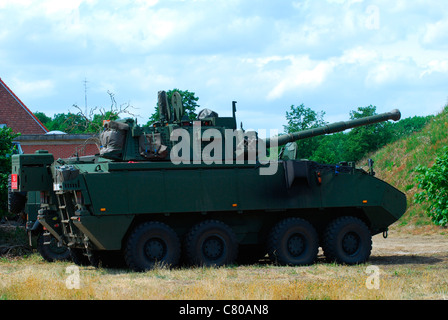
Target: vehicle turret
209 138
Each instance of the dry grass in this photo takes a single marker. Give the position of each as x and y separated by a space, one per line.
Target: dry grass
401 276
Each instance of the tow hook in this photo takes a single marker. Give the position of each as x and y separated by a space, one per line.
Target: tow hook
385 234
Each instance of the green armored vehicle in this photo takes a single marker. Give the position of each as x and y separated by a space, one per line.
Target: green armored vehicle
206 193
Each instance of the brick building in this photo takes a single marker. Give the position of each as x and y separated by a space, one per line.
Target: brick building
15 115
60 145
34 135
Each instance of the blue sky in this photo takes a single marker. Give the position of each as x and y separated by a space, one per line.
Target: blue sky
332 56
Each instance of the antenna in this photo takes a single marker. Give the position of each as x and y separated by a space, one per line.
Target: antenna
85 93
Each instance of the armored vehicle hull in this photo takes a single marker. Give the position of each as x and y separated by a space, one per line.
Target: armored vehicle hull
102 208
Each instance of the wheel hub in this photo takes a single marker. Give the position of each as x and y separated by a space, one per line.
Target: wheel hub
213 247
155 249
296 245
350 243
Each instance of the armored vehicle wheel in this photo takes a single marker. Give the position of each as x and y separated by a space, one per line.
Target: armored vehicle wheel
293 241
347 240
152 243
51 252
16 200
211 243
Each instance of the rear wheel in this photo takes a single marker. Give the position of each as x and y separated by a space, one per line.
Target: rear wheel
347 240
16 200
293 241
151 244
211 243
48 247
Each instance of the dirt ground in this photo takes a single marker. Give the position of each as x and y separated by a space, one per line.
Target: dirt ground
408 248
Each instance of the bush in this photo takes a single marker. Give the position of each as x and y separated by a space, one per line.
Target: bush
434 183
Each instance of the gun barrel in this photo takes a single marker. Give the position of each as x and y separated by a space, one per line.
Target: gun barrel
335 127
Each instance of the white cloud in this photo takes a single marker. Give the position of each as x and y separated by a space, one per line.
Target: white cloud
268 55
38 88
435 66
301 74
359 55
436 34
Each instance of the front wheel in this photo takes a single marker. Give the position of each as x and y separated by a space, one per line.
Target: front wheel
347 240
151 244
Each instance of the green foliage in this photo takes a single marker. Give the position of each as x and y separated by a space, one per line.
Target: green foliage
331 149
6 149
81 122
407 126
434 183
46 120
302 118
351 145
189 102
366 139
75 123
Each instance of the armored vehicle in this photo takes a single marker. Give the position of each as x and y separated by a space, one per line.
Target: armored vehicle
203 192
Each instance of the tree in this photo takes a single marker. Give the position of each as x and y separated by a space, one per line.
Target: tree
82 122
365 139
46 120
68 123
6 149
331 148
302 118
93 121
434 183
189 102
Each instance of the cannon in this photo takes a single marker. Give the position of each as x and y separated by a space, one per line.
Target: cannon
206 191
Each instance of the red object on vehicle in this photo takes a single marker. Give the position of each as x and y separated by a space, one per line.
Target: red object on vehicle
14 181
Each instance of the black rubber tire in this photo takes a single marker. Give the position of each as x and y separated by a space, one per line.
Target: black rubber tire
211 243
51 252
347 240
16 200
150 244
293 241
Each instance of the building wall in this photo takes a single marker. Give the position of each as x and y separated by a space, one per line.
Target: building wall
60 145
62 151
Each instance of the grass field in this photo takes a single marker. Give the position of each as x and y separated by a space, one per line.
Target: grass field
401 267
